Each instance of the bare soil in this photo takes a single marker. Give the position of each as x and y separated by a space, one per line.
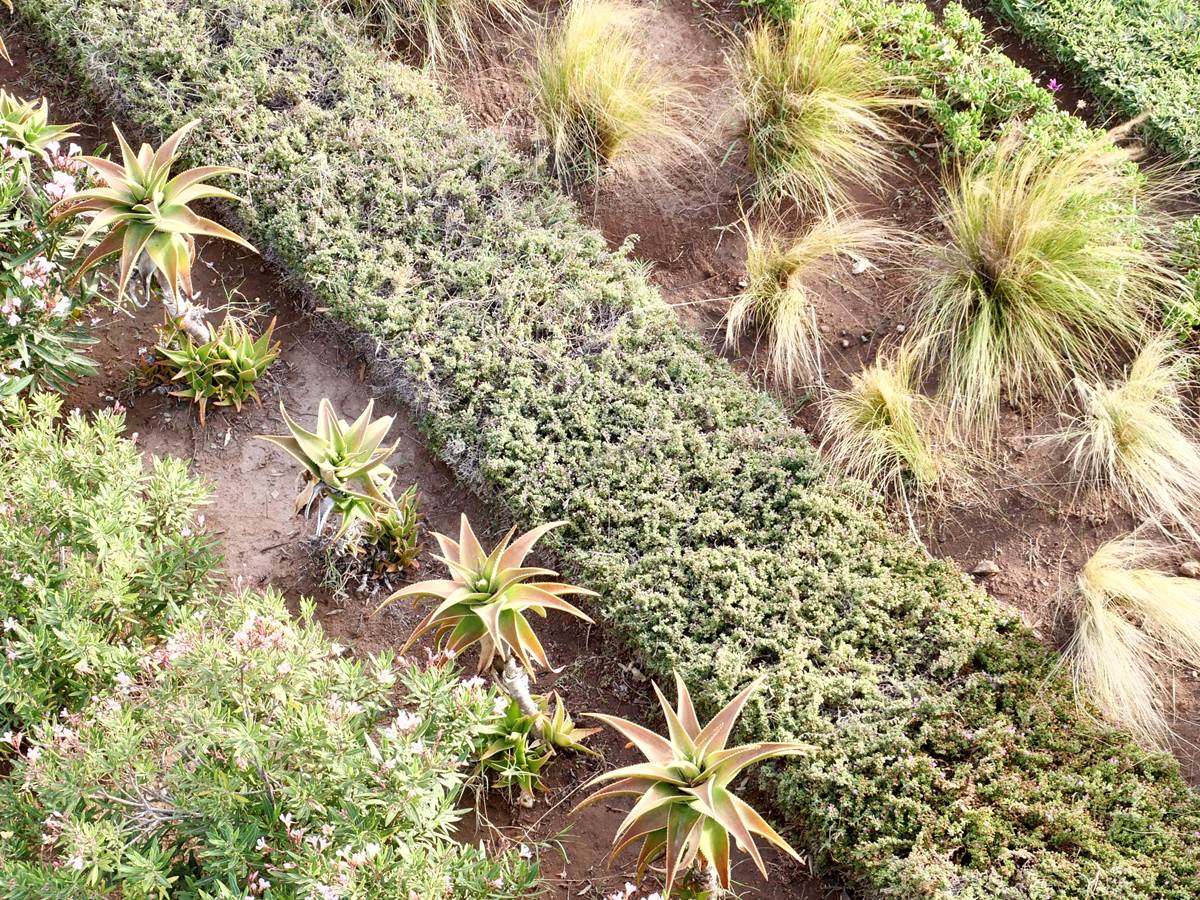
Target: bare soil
264 543
1026 514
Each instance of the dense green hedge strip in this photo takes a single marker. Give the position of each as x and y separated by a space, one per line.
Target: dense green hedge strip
1143 55
951 763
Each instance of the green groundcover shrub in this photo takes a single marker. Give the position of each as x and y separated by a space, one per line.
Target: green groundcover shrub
97 555
951 761
248 758
1143 55
973 90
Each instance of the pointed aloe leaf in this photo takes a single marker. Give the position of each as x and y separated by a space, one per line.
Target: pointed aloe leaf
715 734
759 826
682 741
718 804
515 554
170 147
526 596
726 764
656 748
471 554
686 711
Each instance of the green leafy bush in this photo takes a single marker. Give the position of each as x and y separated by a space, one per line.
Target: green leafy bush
1143 55
973 91
249 758
98 556
1182 316
950 760
41 341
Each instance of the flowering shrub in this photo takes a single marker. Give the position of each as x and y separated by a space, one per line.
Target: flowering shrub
96 555
40 339
249 758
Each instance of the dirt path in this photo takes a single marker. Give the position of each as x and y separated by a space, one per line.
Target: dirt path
264 542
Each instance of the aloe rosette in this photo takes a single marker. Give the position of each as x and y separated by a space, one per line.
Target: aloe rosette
685 812
485 601
344 462
146 214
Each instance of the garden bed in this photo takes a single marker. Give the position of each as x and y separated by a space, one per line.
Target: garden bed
951 760
265 544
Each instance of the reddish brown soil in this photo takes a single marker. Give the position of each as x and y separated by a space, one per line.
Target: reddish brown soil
1025 514
265 543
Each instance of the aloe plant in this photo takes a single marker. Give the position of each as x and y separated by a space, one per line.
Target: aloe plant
27 124
345 464
685 813
146 215
485 601
222 370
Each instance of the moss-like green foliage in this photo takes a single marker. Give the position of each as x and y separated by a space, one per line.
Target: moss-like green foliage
950 761
1143 55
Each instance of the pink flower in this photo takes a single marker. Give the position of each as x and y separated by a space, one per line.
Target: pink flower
1054 86
61 186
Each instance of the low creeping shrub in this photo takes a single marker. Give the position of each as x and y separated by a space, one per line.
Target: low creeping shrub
99 556
814 104
248 757
598 101
949 760
1143 57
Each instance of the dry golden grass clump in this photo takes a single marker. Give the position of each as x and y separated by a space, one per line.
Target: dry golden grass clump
437 26
814 104
1042 274
778 299
883 430
1132 619
599 102
1135 438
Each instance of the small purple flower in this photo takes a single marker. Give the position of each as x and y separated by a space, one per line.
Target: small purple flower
1054 86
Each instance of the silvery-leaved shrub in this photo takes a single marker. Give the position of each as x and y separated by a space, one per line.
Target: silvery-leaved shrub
250 757
97 554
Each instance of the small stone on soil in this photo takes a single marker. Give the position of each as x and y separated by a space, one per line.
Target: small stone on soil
985 568
1189 568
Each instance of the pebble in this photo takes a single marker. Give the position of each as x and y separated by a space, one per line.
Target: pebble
845 344
1189 568
985 568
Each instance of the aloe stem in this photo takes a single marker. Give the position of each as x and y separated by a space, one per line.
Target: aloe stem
514 681
189 316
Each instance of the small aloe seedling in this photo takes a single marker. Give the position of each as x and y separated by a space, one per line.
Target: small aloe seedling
559 729
222 370
485 601
345 464
685 812
27 124
149 221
